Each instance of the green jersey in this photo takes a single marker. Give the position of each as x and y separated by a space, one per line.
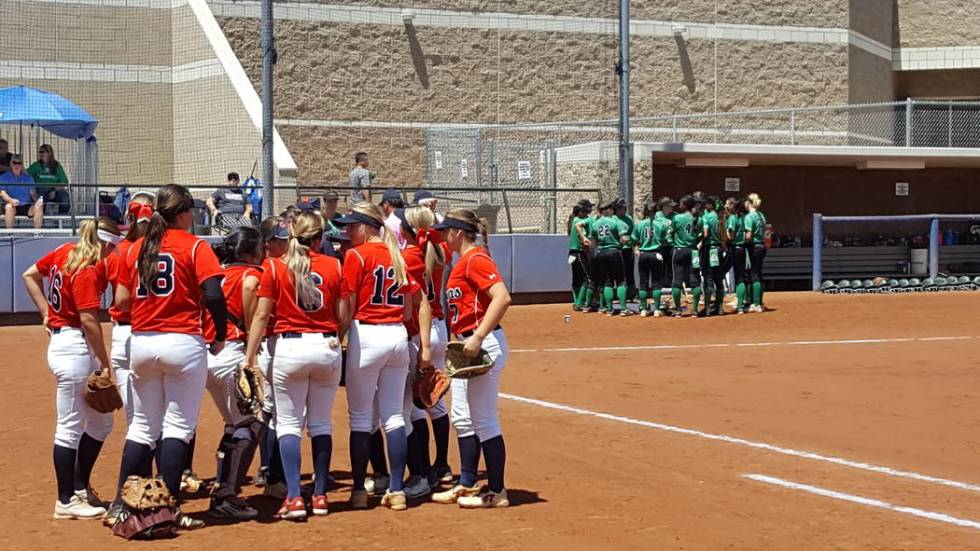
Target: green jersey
755 222
628 221
649 234
606 232
709 221
668 222
686 230
574 243
736 227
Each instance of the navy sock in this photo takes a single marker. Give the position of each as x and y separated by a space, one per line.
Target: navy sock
414 455
265 450
88 453
322 449
379 464
64 472
360 452
275 458
469 460
420 431
291 462
137 459
189 457
440 433
156 455
397 457
173 460
495 456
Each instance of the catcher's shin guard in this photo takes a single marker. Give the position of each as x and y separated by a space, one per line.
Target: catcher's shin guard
235 457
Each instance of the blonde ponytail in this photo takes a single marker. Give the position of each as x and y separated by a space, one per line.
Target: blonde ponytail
422 218
755 200
397 262
305 228
88 250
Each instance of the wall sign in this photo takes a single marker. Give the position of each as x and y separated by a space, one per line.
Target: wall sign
523 170
438 160
901 189
733 184
463 169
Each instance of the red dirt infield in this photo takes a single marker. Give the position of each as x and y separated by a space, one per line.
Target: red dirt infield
862 411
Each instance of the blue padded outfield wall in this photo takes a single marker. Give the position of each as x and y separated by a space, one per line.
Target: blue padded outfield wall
528 264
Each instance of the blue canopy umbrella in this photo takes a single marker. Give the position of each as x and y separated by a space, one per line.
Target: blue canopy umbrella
23 105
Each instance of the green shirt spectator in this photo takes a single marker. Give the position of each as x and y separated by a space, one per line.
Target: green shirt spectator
50 178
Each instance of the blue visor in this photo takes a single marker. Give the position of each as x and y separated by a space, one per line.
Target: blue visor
356 218
449 223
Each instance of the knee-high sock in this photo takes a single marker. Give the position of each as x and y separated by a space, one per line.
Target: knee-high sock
495 456
291 462
621 294
587 302
696 293
275 458
189 458
440 433
360 453
757 293
607 295
322 450
397 457
708 296
379 464
644 295
88 453
264 452
173 461
64 472
156 455
223 456
656 298
469 460
575 293
676 293
740 295
719 298
421 428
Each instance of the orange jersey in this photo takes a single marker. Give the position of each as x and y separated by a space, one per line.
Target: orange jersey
232 287
368 274
415 264
173 304
267 267
466 289
68 294
291 316
115 264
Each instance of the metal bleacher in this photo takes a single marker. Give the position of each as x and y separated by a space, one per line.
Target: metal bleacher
838 262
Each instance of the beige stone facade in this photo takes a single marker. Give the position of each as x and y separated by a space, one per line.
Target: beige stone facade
938 23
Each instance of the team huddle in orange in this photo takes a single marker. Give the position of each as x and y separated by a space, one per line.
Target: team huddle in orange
186 316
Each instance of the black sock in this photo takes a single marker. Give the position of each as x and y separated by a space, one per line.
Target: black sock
360 453
88 453
469 460
264 451
275 474
64 472
322 450
136 460
420 431
173 461
156 455
495 456
379 461
414 455
189 457
440 433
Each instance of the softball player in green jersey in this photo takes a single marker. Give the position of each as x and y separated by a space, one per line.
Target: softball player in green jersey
665 214
609 233
755 234
627 250
686 259
649 235
711 259
578 253
735 259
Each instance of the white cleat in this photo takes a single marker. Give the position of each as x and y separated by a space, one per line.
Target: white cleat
377 484
486 500
77 509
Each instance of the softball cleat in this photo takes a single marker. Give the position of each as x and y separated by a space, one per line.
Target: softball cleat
452 495
358 499
76 508
321 507
394 501
293 509
487 499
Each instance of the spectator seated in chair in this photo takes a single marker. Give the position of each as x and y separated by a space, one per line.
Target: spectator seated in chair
229 207
51 179
19 196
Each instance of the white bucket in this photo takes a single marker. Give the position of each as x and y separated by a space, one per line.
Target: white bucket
920 261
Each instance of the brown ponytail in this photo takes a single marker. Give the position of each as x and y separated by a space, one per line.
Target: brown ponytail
172 200
469 217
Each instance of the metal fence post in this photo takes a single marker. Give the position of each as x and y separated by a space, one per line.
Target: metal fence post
934 248
792 127
817 250
908 122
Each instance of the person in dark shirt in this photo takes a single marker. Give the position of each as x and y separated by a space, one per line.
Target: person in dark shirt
229 206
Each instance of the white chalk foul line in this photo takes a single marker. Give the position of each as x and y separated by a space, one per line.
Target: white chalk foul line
750 444
941 517
745 344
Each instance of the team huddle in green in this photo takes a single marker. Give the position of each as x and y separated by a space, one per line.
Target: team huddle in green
690 244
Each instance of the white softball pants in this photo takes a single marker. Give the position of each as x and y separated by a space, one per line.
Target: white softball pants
438 339
221 382
266 351
305 378
474 407
377 363
71 362
170 371
120 358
